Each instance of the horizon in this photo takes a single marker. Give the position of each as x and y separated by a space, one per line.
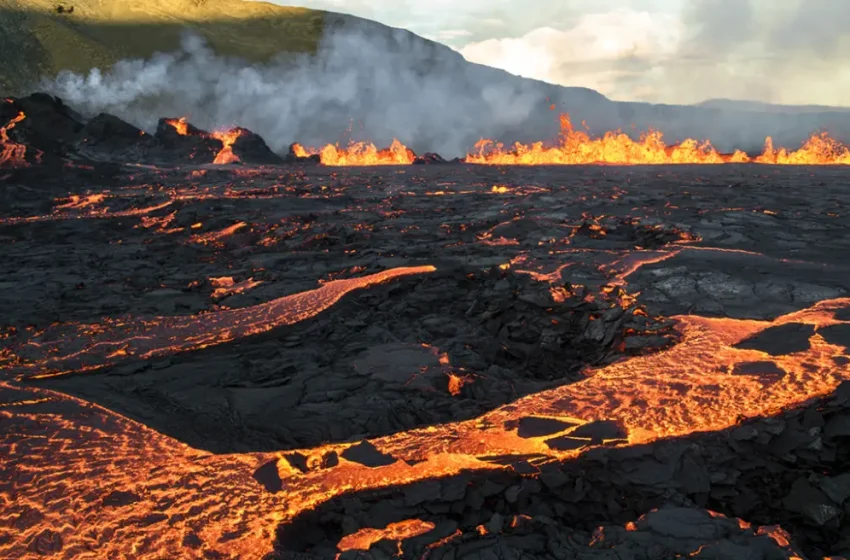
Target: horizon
680 52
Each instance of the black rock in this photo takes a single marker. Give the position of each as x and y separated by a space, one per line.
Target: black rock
780 340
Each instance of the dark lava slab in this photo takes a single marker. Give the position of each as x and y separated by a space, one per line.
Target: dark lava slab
624 501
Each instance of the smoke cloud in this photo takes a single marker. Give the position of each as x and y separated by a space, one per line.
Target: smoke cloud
370 82
390 84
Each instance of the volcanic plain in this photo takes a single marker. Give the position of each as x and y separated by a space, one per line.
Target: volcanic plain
442 361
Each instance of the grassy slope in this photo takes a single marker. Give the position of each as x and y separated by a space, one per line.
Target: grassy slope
37 41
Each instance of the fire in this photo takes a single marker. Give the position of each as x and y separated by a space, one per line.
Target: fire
615 147
227 139
11 153
360 153
181 125
819 148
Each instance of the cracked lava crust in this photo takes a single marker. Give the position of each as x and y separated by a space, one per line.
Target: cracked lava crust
434 361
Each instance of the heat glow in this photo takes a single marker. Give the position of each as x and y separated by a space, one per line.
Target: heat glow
107 512
359 153
575 147
226 137
11 153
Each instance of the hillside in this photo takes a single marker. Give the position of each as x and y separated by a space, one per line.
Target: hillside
37 40
393 83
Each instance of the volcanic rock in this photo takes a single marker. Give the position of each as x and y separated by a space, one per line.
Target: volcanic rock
250 148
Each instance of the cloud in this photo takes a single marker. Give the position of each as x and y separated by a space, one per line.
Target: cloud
599 51
390 82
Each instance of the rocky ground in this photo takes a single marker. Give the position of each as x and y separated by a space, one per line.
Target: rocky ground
544 281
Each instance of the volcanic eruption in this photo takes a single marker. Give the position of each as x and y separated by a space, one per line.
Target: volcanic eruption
341 353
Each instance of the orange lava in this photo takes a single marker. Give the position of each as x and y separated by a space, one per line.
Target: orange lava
108 487
80 347
181 125
359 153
226 286
11 153
577 147
365 538
227 138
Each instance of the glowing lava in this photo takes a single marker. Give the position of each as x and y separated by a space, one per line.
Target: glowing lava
365 538
577 147
109 487
78 347
359 153
227 139
181 125
11 153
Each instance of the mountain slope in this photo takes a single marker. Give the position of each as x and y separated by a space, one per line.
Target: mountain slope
37 40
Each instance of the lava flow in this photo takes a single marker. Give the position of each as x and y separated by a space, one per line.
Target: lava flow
213 503
11 153
226 137
66 348
577 147
359 153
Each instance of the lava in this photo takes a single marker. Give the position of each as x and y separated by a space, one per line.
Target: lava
85 506
365 538
227 139
359 153
226 286
576 147
79 347
12 154
181 125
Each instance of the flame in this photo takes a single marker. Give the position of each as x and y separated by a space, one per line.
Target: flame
359 153
227 139
818 149
11 153
577 147
181 125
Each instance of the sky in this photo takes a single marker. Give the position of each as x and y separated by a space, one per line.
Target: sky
661 51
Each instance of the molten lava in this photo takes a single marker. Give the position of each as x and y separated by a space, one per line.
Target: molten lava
116 339
181 125
11 153
227 139
577 147
359 153
103 480
365 538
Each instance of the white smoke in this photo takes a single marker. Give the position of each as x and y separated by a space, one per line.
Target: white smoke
384 83
393 84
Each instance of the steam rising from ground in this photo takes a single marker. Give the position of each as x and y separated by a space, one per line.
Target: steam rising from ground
395 84
391 83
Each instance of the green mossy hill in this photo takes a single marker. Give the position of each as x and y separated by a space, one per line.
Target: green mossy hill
39 38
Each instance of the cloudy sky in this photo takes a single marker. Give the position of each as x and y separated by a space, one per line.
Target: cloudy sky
670 51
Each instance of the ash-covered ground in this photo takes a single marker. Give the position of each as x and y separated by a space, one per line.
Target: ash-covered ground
539 362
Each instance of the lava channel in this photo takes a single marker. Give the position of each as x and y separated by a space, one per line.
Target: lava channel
67 348
92 484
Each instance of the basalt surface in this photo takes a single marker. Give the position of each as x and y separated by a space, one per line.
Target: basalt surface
441 361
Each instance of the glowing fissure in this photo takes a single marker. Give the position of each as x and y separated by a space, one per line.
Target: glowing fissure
575 147
73 347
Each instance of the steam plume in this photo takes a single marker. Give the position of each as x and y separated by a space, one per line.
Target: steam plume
392 83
